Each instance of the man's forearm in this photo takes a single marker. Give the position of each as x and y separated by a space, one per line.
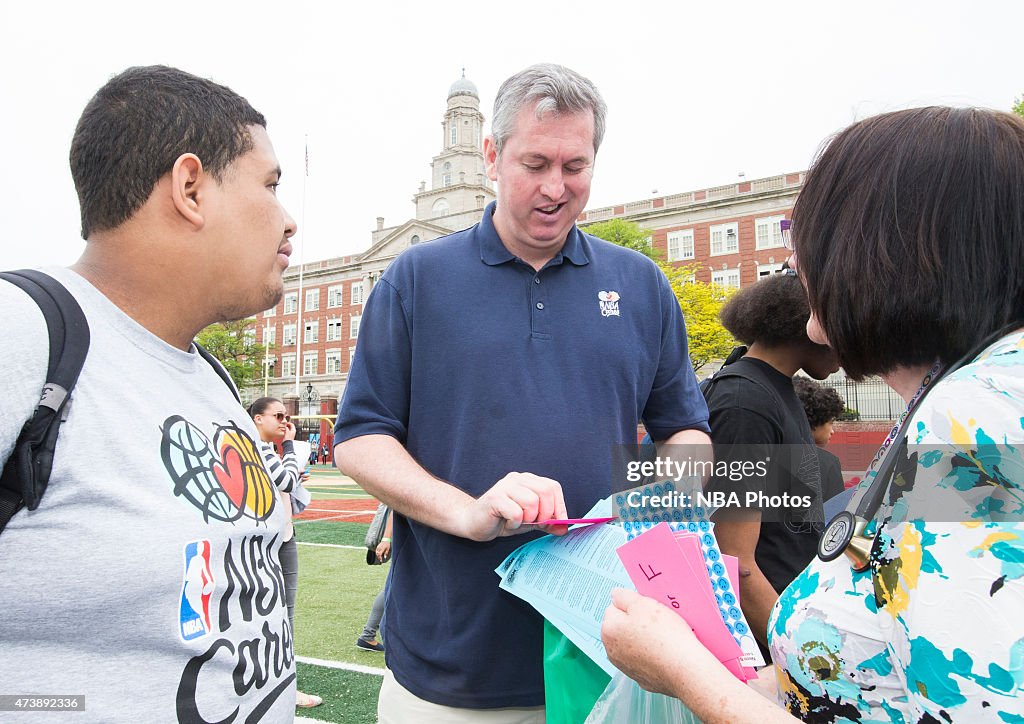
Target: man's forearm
386 470
757 597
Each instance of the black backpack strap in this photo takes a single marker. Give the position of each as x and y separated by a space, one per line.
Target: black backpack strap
219 369
27 471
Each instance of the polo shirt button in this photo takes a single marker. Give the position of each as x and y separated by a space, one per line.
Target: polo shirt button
540 305
536 280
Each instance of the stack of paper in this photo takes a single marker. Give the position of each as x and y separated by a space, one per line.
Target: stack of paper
569 580
670 567
724 580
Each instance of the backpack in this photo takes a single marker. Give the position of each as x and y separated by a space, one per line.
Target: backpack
724 371
26 472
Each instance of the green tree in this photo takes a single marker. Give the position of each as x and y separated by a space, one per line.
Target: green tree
1018 107
234 344
700 302
707 339
625 233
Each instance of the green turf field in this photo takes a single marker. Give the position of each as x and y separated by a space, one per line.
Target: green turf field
336 590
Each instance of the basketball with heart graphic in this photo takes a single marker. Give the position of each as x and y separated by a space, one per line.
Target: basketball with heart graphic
224 478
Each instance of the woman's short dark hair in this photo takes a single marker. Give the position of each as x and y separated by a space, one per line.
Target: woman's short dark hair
772 311
822 404
259 406
909 233
135 128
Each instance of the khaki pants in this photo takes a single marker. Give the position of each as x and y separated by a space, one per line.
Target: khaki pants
397 705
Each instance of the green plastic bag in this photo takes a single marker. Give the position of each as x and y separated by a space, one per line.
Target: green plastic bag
572 682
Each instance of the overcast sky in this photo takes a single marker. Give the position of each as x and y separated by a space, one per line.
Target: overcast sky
697 92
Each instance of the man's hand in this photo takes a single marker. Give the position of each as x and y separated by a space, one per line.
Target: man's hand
384 550
516 499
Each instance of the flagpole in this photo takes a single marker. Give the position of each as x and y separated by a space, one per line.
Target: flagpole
302 259
266 358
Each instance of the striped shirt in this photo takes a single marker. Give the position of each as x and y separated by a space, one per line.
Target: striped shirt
284 471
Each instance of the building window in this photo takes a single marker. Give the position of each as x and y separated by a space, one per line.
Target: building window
312 300
309 363
446 179
767 232
269 335
725 239
680 245
272 312
333 361
454 137
357 293
333 330
351 356
269 365
335 295
311 334
291 303
726 278
288 334
353 326
415 239
440 208
288 365
767 270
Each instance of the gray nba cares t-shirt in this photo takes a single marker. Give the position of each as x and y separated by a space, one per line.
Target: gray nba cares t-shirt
148 579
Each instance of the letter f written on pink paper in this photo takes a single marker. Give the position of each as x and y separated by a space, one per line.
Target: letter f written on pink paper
660 569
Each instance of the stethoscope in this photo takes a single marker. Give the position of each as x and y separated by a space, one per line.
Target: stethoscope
846 532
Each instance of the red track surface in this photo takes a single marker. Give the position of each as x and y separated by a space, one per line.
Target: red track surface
349 511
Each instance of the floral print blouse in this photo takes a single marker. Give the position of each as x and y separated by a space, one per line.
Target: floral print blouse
933 630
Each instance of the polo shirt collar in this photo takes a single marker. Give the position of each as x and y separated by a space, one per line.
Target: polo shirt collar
493 251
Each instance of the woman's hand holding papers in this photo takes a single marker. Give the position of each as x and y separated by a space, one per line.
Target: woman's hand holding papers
650 643
655 647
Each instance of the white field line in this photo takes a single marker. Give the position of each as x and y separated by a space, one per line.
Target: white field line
321 484
331 545
359 668
340 517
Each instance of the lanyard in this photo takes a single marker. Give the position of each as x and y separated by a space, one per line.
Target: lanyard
846 532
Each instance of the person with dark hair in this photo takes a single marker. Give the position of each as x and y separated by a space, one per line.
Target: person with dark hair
148 578
822 405
754 413
547 330
275 426
909 236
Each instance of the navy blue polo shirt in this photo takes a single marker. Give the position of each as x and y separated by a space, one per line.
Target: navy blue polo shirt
481 366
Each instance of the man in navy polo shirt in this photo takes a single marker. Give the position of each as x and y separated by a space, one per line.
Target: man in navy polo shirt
497 368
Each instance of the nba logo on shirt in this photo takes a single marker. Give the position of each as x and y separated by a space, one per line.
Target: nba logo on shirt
196 591
609 302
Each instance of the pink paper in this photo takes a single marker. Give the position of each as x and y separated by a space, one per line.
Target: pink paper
665 569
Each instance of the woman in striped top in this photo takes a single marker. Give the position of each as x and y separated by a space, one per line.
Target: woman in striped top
275 426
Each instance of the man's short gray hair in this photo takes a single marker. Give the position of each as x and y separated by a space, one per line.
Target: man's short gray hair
554 88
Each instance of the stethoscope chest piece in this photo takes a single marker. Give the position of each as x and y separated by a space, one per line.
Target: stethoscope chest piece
845 534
